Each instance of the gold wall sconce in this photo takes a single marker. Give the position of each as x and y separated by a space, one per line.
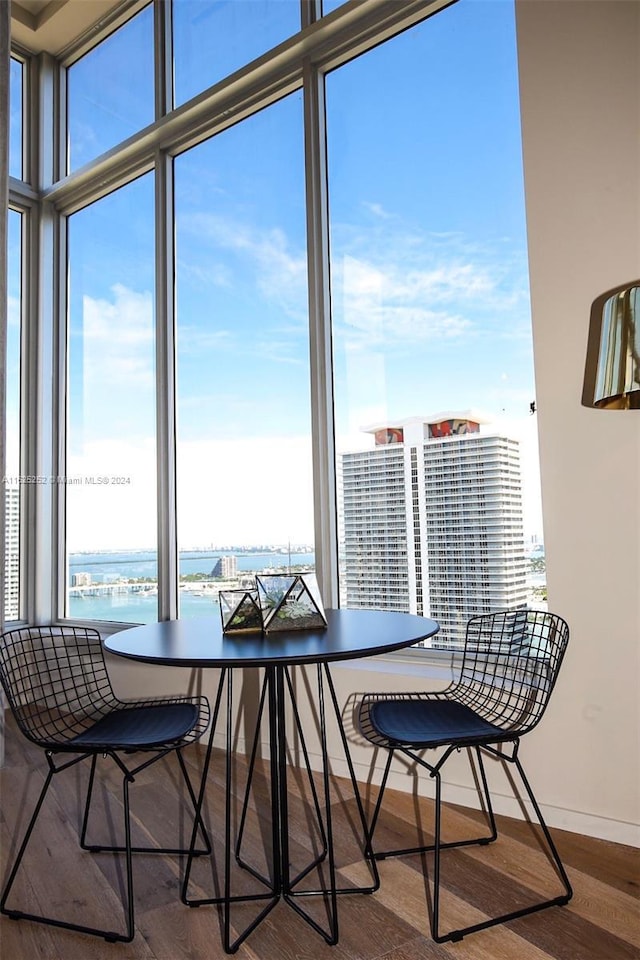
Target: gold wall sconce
612 371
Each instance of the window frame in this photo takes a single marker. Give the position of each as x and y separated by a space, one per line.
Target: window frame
299 63
28 494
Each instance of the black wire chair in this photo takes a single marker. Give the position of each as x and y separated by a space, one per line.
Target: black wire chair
509 668
58 688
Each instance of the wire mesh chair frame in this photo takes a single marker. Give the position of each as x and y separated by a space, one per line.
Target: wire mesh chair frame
59 691
507 673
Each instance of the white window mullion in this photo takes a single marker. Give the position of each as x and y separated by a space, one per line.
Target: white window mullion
310 11
322 419
163 59
60 355
168 565
39 370
168 559
59 409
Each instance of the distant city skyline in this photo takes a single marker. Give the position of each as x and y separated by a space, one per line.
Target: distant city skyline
235 525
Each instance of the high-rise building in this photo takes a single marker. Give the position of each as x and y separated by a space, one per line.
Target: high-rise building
81 579
226 568
432 522
12 553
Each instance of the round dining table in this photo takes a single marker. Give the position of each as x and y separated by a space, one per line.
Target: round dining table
200 642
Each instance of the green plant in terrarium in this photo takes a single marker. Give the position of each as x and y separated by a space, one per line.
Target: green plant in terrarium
290 602
240 611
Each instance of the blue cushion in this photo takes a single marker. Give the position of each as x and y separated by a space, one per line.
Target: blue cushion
138 727
430 723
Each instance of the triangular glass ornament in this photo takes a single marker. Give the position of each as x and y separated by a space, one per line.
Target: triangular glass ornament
290 602
240 611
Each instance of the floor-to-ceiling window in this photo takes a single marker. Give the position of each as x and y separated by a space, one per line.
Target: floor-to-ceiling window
430 309
16 117
110 475
110 90
418 272
13 484
245 496
212 39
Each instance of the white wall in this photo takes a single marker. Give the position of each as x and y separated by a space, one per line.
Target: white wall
580 88
580 101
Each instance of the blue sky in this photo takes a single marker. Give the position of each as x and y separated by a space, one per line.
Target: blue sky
427 200
428 253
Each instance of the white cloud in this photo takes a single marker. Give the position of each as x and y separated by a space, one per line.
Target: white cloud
221 499
194 340
112 368
377 210
381 305
212 274
406 285
447 282
118 338
111 495
13 311
278 271
393 285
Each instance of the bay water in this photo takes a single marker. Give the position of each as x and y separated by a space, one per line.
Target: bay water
126 606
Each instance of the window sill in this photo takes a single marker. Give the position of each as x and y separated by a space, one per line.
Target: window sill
431 664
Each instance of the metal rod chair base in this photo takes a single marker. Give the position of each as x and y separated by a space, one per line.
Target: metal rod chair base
429 848
110 936
437 847
456 935
485 804
169 851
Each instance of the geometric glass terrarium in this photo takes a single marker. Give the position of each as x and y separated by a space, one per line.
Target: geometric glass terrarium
290 602
240 611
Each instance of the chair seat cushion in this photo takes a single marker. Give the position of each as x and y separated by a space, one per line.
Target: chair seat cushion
138 727
431 723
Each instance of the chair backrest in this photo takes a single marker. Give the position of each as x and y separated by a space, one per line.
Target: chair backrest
55 679
510 666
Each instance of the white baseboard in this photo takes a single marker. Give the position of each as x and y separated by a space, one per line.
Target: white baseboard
575 821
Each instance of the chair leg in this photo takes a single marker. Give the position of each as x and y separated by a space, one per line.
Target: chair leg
378 806
129 906
170 851
435 905
485 801
552 847
438 846
456 935
87 805
109 935
16 914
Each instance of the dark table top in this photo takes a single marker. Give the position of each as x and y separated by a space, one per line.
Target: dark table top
200 642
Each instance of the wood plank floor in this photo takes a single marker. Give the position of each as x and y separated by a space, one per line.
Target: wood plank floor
602 922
